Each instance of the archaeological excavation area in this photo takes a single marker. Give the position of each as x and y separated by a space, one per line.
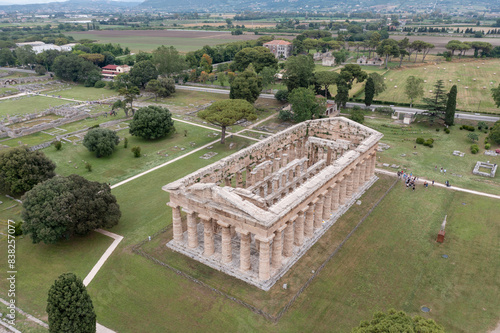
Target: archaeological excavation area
253 214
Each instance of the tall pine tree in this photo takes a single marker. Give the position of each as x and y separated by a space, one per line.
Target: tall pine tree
451 106
437 103
369 91
69 306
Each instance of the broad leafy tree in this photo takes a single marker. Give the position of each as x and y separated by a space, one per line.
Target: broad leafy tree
268 76
152 122
21 169
69 306
130 94
414 88
163 87
397 321
299 72
142 73
378 82
259 56
342 93
451 106
495 93
388 48
305 105
369 91
227 112
247 86
495 133
324 80
357 115
168 60
70 67
6 57
65 206
101 141
25 55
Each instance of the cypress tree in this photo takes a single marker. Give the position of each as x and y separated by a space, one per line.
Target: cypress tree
69 306
451 106
369 91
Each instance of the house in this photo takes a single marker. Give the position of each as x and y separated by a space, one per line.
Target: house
370 62
280 48
331 109
110 71
328 61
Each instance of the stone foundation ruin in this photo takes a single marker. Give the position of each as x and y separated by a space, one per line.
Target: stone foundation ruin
253 214
485 166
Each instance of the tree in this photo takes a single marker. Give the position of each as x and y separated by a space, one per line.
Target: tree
403 46
25 55
101 141
414 88
495 93
168 60
62 207
206 63
69 306
21 169
351 72
305 105
369 91
163 87
451 106
437 103
227 112
152 122
6 57
388 48
247 86
378 82
454 45
342 93
130 94
473 136
495 133
397 321
268 76
357 115
142 73
259 56
325 79
70 67
299 72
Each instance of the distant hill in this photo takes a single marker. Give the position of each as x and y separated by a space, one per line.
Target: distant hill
73 6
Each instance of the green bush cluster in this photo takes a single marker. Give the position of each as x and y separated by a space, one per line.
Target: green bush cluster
437 129
420 141
474 149
468 127
447 130
487 146
429 143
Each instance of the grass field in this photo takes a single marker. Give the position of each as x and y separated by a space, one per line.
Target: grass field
472 96
82 93
422 164
28 104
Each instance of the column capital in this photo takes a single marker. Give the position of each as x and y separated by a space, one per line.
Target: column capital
324 193
283 227
204 217
223 224
264 239
305 209
242 231
187 210
172 205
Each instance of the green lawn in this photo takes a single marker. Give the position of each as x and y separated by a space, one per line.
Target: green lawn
82 93
402 141
122 164
28 104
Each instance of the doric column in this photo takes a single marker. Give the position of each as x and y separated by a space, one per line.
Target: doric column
177 223
299 227
264 256
362 173
239 179
245 240
335 196
372 164
288 242
227 251
208 236
349 186
318 214
277 248
343 190
192 227
309 226
355 179
327 206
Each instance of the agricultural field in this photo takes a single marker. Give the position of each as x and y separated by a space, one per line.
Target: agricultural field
474 80
148 40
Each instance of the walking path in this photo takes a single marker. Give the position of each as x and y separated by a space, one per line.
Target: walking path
454 188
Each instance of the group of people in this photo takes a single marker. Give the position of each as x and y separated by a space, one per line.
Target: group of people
409 179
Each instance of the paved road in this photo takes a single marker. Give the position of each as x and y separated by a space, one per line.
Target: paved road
18 70
403 109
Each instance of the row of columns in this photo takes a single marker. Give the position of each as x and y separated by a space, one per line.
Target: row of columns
292 233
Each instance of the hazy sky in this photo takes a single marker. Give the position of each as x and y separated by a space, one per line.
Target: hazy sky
23 2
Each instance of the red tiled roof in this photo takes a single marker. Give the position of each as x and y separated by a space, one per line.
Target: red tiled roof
107 72
278 42
113 67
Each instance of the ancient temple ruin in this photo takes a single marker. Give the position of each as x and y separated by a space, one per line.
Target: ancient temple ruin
253 214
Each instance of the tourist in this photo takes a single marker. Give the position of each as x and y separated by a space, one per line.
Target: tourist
444 170
432 183
413 186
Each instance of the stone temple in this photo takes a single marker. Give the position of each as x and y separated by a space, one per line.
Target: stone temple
253 214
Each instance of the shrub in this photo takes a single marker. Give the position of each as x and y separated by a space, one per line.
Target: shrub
487 146
102 141
100 84
461 127
285 115
125 143
447 130
136 151
152 122
18 231
58 145
88 166
420 141
281 95
474 149
437 129
385 109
